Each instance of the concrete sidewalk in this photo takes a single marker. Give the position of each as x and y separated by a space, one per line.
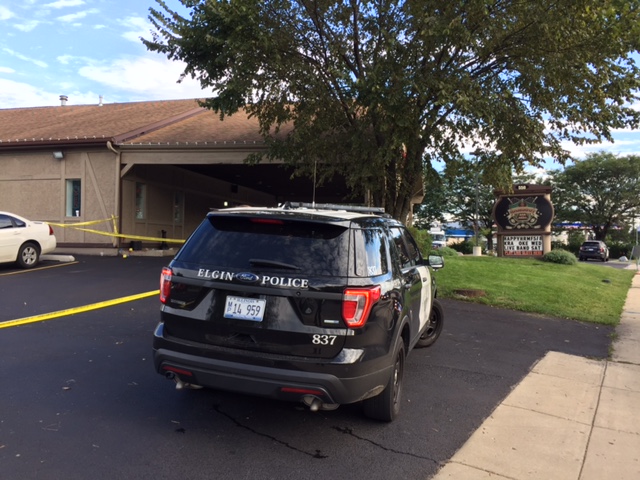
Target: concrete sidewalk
571 418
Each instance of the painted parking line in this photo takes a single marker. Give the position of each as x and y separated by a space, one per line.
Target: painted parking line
27 270
75 310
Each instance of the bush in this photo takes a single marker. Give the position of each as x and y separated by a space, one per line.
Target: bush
560 256
445 252
465 247
422 238
619 249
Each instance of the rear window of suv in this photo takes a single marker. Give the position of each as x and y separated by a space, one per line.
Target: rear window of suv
315 248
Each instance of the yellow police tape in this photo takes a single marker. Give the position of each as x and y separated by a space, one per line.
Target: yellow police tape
79 225
75 310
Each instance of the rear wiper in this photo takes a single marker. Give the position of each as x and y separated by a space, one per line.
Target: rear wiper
260 262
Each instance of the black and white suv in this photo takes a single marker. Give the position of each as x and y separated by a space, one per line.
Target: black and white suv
319 304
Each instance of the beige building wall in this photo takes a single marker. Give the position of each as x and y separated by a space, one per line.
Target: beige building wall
176 200
34 185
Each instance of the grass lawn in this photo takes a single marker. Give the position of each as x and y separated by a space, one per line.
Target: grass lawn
585 291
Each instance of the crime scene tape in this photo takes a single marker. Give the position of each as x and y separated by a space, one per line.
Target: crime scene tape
80 226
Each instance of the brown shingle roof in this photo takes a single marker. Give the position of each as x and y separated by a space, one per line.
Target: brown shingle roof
206 128
158 122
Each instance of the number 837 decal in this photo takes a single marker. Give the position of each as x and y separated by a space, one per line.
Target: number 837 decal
318 339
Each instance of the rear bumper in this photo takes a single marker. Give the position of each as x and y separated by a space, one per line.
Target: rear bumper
270 380
598 255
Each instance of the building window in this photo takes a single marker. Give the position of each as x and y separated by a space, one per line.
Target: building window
141 201
178 207
74 198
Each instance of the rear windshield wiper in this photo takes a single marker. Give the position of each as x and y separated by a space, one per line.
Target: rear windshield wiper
260 262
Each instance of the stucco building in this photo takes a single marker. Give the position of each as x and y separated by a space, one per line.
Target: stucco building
143 169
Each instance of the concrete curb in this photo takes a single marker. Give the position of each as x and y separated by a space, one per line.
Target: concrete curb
58 258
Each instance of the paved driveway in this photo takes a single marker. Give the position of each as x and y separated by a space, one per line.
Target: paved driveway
80 398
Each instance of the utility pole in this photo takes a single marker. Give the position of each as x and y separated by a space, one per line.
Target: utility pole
475 220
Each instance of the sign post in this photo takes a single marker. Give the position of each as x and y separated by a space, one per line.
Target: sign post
524 220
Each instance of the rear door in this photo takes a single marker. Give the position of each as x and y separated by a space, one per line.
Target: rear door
413 277
261 284
426 295
10 238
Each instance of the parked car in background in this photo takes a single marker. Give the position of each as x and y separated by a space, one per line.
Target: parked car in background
23 241
594 249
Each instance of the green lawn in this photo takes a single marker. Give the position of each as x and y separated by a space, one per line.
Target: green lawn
585 291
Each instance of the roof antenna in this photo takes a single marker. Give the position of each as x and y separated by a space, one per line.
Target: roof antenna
313 201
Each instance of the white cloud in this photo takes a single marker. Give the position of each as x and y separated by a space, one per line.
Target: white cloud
72 17
5 13
137 27
39 63
65 59
13 95
27 26
7 70
64 3
148 77
619 147
22 95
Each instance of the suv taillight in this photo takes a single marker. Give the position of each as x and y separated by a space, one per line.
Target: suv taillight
50 230
165 284
357 303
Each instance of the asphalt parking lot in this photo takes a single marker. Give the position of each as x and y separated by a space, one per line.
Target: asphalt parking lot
80 398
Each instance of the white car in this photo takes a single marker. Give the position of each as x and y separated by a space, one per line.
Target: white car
23 241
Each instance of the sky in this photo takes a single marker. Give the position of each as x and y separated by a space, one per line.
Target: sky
90 48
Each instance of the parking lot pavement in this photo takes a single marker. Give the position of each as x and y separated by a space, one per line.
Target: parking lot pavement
570 418
82 384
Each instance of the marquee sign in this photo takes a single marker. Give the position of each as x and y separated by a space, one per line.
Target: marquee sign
523 213
522 245
523 217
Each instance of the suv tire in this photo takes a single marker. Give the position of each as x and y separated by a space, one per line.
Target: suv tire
386 406
433 331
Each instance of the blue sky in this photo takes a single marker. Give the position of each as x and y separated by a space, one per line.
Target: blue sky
88 48
82 49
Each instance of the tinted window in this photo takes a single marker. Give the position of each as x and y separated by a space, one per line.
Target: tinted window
5 222
401 248
370 256
414 252
231 242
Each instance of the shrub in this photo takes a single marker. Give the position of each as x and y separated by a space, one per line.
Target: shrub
422 238
465 247
445 252
619 249
560 256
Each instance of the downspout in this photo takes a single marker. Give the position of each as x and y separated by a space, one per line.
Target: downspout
117 212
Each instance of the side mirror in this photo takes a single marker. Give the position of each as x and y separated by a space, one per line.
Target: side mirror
436 261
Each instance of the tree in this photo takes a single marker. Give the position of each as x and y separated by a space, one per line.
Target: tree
601 191
470 197
375 90
433 207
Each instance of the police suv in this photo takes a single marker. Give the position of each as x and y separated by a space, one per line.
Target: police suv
313 303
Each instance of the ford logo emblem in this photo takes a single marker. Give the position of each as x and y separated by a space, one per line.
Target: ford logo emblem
248 277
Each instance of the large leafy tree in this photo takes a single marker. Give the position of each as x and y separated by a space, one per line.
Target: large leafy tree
375 90
601 191
470 197
432 210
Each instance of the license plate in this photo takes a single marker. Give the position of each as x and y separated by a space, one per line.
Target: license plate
244 308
